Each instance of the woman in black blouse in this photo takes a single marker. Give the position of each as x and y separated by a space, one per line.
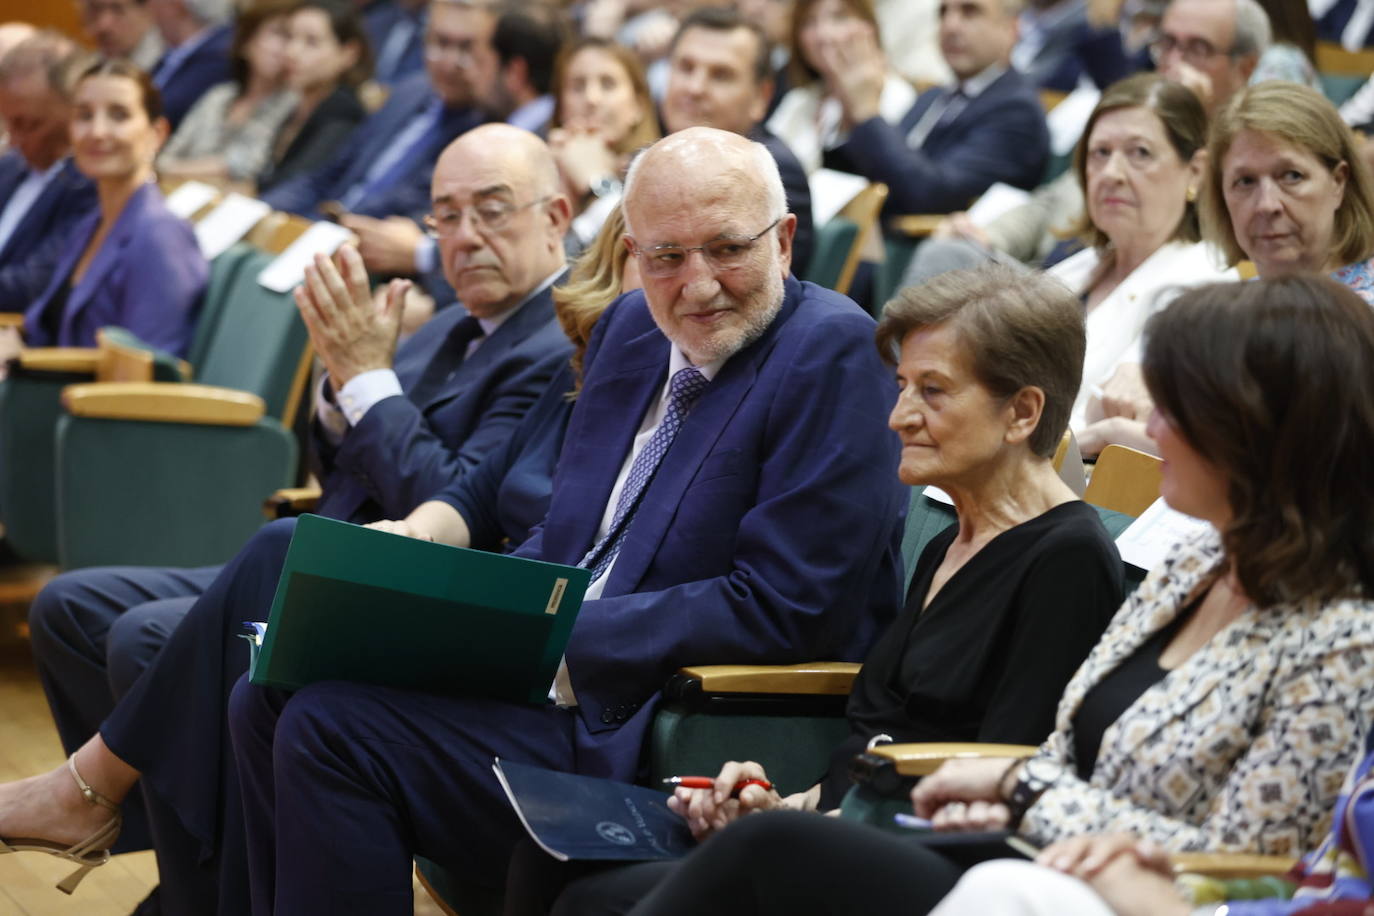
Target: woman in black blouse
1003 606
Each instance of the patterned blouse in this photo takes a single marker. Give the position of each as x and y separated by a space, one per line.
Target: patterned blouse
1359 277
247 147
1243 747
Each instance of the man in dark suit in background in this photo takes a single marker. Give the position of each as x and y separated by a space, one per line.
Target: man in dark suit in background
956 140
41 193
123 28
396 32
197 35
727 475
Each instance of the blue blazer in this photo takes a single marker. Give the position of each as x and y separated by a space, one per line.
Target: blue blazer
379 19
32 251
403 453
147 277
1073 46
999 136
407 197
208 65
770 532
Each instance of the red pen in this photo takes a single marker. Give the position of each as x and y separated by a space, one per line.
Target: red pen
706 782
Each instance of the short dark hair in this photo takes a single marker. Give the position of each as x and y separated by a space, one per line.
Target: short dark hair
250 20
533 32
151 97
727 19
347 26
1269 381
1018 329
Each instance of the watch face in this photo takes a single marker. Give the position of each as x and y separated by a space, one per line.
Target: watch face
1041 770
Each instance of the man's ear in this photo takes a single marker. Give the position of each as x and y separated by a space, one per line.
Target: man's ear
786 230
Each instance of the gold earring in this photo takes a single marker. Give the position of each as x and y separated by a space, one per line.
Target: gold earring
1192 194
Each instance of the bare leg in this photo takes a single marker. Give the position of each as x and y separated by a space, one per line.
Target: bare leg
50 806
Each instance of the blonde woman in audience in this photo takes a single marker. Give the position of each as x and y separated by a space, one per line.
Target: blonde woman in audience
602 114
227 135
809 117
1139 164
1228 698
132 264
1288 188
327 59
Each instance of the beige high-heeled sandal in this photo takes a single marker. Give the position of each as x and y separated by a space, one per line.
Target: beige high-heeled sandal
90 852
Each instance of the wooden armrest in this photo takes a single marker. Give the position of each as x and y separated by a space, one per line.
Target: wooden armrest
60 359
1230 864
291 501
164 402
917 225
11 319
812 679
924 759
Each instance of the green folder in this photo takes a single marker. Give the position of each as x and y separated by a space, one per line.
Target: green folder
355 604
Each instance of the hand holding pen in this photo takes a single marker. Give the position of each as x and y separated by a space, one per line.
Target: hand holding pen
709 805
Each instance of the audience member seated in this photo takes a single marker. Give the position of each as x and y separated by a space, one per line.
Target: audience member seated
955 141
781 391
809 119
1117 875
42 193
1228 696
131 263
1140 163
1211 46
461 386
325 61
1293 45
603 114
1062 42
719 76
227 135
197 55
1288 189
123 28
1018 590
396 32
1344 21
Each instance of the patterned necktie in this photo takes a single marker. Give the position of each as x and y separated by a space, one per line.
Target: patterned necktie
446 360
686 386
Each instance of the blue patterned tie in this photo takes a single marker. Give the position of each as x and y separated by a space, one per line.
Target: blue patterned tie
686 386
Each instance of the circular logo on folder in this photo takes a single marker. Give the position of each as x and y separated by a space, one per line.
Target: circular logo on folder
615 833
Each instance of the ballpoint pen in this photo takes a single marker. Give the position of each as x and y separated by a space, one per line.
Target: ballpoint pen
706 782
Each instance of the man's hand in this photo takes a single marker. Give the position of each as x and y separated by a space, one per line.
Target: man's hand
959 226
350 334
388 245
1194 79
399 526
855 68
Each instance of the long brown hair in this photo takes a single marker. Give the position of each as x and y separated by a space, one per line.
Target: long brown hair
593 284
643 133
1269 381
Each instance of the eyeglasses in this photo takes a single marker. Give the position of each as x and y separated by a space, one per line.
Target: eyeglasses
489 215
725 253
1195 51
437 47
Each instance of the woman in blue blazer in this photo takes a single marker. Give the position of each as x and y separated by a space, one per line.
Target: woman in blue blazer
132 263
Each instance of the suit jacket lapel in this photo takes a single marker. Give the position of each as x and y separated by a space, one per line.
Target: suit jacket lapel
109 255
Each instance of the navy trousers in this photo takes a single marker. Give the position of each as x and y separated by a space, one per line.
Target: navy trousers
171 726
344 783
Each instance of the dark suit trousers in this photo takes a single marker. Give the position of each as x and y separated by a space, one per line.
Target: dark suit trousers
343 783
94 631
171 726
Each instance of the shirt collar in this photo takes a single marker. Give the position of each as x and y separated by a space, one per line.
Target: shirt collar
532 115
678 360
489 325
977 84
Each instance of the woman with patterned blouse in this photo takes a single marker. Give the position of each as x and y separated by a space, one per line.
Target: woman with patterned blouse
1224 704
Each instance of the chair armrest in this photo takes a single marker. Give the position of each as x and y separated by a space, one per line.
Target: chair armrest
1231 864
916 225
164 402
291 501
812 679
924 759
11 319
60 359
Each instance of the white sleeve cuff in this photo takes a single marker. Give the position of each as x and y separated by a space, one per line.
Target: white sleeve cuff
426 255
365 389
332 420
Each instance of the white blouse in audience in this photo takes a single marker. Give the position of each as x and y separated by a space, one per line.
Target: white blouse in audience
1115 324
810 124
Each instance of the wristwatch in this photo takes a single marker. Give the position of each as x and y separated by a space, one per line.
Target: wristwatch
605 186
1037 774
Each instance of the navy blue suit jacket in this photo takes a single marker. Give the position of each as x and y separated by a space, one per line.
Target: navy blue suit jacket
379 19
208 65
32 251
798 191
1073 46
999 136
148 277
402 453
769 533
408 196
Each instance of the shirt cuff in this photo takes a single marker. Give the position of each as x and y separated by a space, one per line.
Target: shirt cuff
358 395
426 255
332 421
